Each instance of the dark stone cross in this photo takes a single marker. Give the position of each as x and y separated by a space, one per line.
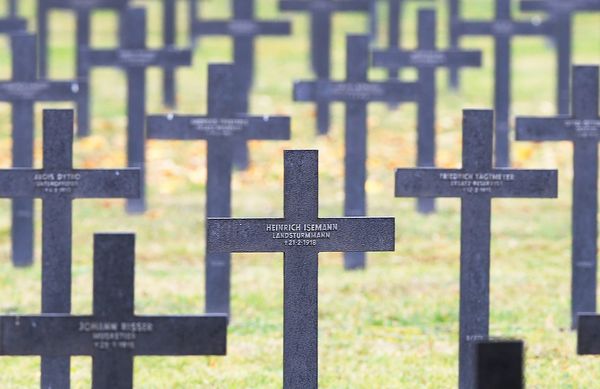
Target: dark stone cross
113 334
83 10
356 92
582 128
427 58
500 364
321 14
588 334
561 14
502 29
58 184
476 184
22 92
169 40
301 234
135 58
221 128
244 29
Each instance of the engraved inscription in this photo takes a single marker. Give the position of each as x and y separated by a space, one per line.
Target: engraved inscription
429 58
108 335
24 90
243 27
585 128
56 182
357 91
475 338
298 234
477 182
218 127
139 57
503 27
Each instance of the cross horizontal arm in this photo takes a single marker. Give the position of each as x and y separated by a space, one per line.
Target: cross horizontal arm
544 129
427 182
340 6
423 58
506 27
535 5
40 90
85 5
10 25
62 335
352 234
72 183
244 235
202 127
136 57
241 27
384 91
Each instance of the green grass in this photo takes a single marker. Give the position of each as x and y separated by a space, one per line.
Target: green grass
391 326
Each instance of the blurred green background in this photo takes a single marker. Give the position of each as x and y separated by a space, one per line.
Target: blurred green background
393 325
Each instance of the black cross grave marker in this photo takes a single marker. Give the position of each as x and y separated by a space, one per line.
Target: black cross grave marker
301 234
356 92
499 364
321 14
58 184
561 14
427 59
22 92
221 127
244 29
83 10
169 40
502 29
588 334
12 22
582 128
135 58
113 335
477 183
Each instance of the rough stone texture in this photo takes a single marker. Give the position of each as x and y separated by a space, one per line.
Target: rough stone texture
61 336
477 183
582 128
301 234
222 128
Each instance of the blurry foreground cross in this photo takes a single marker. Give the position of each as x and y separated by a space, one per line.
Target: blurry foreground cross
582 128
222 127
476 184
301 234
113 335
58 184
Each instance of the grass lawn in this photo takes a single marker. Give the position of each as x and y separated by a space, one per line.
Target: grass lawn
394 325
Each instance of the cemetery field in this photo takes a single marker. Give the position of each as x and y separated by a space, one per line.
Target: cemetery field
394 325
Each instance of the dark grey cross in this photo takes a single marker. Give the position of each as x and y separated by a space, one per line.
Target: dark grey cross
582 128
321 14
169 40
500 364
476 184
113 334
561 14
12 22
427 58
503 28
374 21
356 92
588 334
135 58
22 92
221 127
58 184
301 235
244 29
83 10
